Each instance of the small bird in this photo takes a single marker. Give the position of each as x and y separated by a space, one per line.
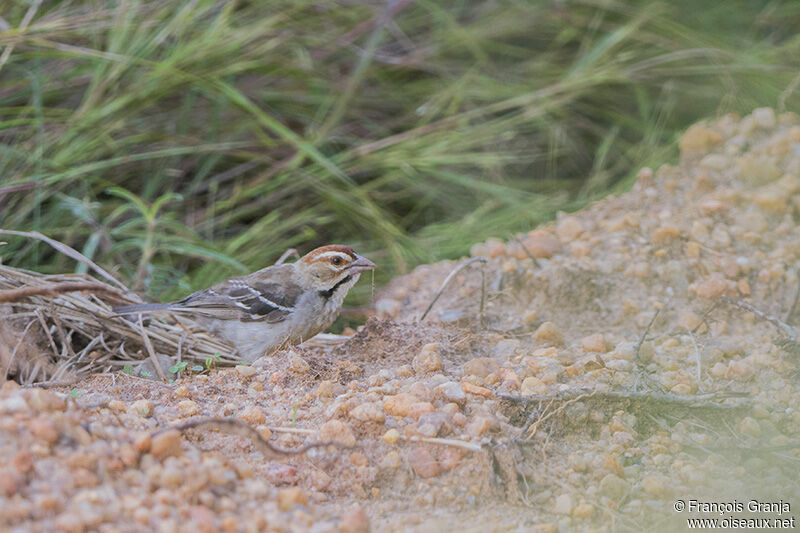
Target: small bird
277 306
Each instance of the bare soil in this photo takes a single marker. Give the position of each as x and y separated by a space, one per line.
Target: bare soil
614 369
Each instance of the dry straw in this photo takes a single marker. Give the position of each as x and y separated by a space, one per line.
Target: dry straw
71 316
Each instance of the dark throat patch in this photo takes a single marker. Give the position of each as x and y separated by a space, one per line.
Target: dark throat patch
329 292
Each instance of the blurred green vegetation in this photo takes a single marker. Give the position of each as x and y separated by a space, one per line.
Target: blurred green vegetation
182 142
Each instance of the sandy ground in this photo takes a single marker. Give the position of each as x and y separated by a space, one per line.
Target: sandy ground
613 371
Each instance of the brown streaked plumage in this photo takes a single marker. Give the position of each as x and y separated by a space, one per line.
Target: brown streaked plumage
275 306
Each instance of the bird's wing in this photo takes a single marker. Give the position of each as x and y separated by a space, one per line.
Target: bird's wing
268 295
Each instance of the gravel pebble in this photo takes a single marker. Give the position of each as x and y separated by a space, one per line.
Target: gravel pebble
368 412
423 463
252 415
291 496
429 359
548 332
246 371
337 431
166 444
354 520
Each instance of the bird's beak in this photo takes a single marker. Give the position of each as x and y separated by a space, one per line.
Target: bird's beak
361 264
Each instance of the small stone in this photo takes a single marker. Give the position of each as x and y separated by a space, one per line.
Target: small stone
451 392
480 366
142 407
142 441
202 519
326 389
188 407
181 392
479 425
264 431
417 409
391 461
450 458
698 138
229 524
117 405
391 436
297 364
495 247
70 522
358 459
681 389
399 404
666 233
428 360
550 333
291 496
367 412
166 444
510 379
614 487
45 400
22 461
542 244
688 319
282 474
715 162
532 385
252 415
245 371
354 520
569 228
563 504
764 117
469 388
530 317
44 429
710 288
337 431
594 343
11 481
505 348
423 463
750 426
720 236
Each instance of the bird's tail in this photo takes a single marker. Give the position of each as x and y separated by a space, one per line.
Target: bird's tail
140 308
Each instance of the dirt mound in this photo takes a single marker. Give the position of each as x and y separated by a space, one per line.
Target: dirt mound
639 352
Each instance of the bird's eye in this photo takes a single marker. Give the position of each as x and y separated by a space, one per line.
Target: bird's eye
336 260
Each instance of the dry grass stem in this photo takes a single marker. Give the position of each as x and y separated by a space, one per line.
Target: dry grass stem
234 426
450 276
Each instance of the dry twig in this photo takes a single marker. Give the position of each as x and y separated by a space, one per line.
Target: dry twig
450 276
237 427
639 347
16 295
642 398
787 330
471 446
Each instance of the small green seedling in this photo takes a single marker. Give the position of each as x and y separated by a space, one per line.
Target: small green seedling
178 367
213 360
127 369
74 393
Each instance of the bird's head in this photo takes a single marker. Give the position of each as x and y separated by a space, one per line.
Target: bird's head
334 266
